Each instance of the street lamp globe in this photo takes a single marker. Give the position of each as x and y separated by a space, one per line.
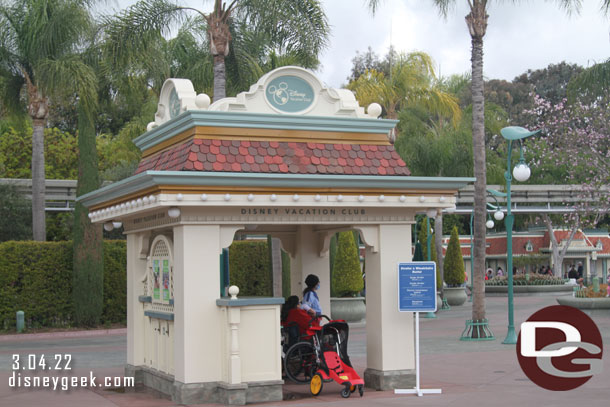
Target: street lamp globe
522 172
498 215
489 224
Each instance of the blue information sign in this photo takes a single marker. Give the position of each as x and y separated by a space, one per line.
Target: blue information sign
417 286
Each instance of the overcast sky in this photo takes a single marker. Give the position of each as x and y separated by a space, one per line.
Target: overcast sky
530 35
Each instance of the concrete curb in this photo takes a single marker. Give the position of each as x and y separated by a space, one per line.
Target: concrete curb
63 334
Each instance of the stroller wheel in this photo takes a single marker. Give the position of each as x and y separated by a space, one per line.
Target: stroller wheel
361 390
316 384
345 393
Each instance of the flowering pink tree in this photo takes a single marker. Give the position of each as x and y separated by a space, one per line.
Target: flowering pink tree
574 149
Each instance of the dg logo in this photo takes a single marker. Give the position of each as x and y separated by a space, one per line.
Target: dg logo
560 348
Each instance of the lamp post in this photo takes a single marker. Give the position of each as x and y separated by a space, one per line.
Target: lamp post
521 172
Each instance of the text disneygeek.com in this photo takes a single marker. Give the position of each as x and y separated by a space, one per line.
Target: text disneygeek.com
26 371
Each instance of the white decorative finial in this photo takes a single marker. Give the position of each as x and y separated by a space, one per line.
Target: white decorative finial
317 198
339 197
233 291
179 197
250 197
403 198
295 197
374 110
273 197
151 126
204 197
381 198
227 197
422 198
361 198
202 101
442 199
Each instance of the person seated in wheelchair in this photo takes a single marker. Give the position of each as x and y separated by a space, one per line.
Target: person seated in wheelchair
295 321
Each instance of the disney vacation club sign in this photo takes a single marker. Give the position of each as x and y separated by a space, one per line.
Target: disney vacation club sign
289 94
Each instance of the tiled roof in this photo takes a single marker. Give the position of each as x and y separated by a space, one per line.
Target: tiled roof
277 157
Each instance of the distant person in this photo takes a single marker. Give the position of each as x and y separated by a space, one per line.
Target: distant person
542 270
499 272
580 270
572 273
489 274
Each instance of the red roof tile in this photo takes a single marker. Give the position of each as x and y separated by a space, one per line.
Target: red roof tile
282 157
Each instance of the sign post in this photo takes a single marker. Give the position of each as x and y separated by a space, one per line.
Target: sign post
417 293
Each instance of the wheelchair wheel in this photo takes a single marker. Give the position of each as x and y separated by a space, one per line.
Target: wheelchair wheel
345 393
300 362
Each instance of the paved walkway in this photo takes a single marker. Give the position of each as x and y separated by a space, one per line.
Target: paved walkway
469 373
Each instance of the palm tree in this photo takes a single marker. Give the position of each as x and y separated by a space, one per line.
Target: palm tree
412 81
38 60
476 20
297 28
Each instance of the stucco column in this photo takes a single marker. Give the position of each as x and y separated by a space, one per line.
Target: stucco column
310 260
136 270
197 342
390 334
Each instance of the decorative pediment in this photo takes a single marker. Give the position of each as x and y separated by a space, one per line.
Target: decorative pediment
296 91
177 96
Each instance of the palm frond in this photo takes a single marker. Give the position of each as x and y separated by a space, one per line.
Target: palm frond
68 75
594 81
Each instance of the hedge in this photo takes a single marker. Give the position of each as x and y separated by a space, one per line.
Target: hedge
347 275
36 277
249 268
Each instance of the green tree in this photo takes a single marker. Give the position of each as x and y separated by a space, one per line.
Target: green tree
15 214
412 82
295 29
347 276
453 268
38 44
88 261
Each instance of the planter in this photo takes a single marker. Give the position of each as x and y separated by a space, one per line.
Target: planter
455 295
586 303
530 289
351 309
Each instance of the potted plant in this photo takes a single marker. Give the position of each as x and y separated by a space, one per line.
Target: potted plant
453 270
346 282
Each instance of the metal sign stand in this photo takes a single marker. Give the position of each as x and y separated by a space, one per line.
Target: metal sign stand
417 293
417 390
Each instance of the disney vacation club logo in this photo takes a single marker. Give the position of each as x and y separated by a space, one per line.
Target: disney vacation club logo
560 348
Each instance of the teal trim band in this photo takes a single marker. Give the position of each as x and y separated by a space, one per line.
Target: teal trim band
242 302
385 184
160 315
192 118
145 298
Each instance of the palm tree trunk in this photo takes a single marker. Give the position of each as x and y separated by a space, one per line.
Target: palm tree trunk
38 181
477 24
219 77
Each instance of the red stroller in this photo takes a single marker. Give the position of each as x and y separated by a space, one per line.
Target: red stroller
334 363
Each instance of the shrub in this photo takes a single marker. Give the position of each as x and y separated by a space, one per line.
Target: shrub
526 279
36 277
347 276
423 239
453 267
249 268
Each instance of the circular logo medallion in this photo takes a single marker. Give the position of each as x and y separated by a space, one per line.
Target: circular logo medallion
289 94
559 348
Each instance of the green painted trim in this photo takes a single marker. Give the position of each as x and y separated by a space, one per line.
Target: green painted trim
242 302
160 315
145 298
273 180
192 118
